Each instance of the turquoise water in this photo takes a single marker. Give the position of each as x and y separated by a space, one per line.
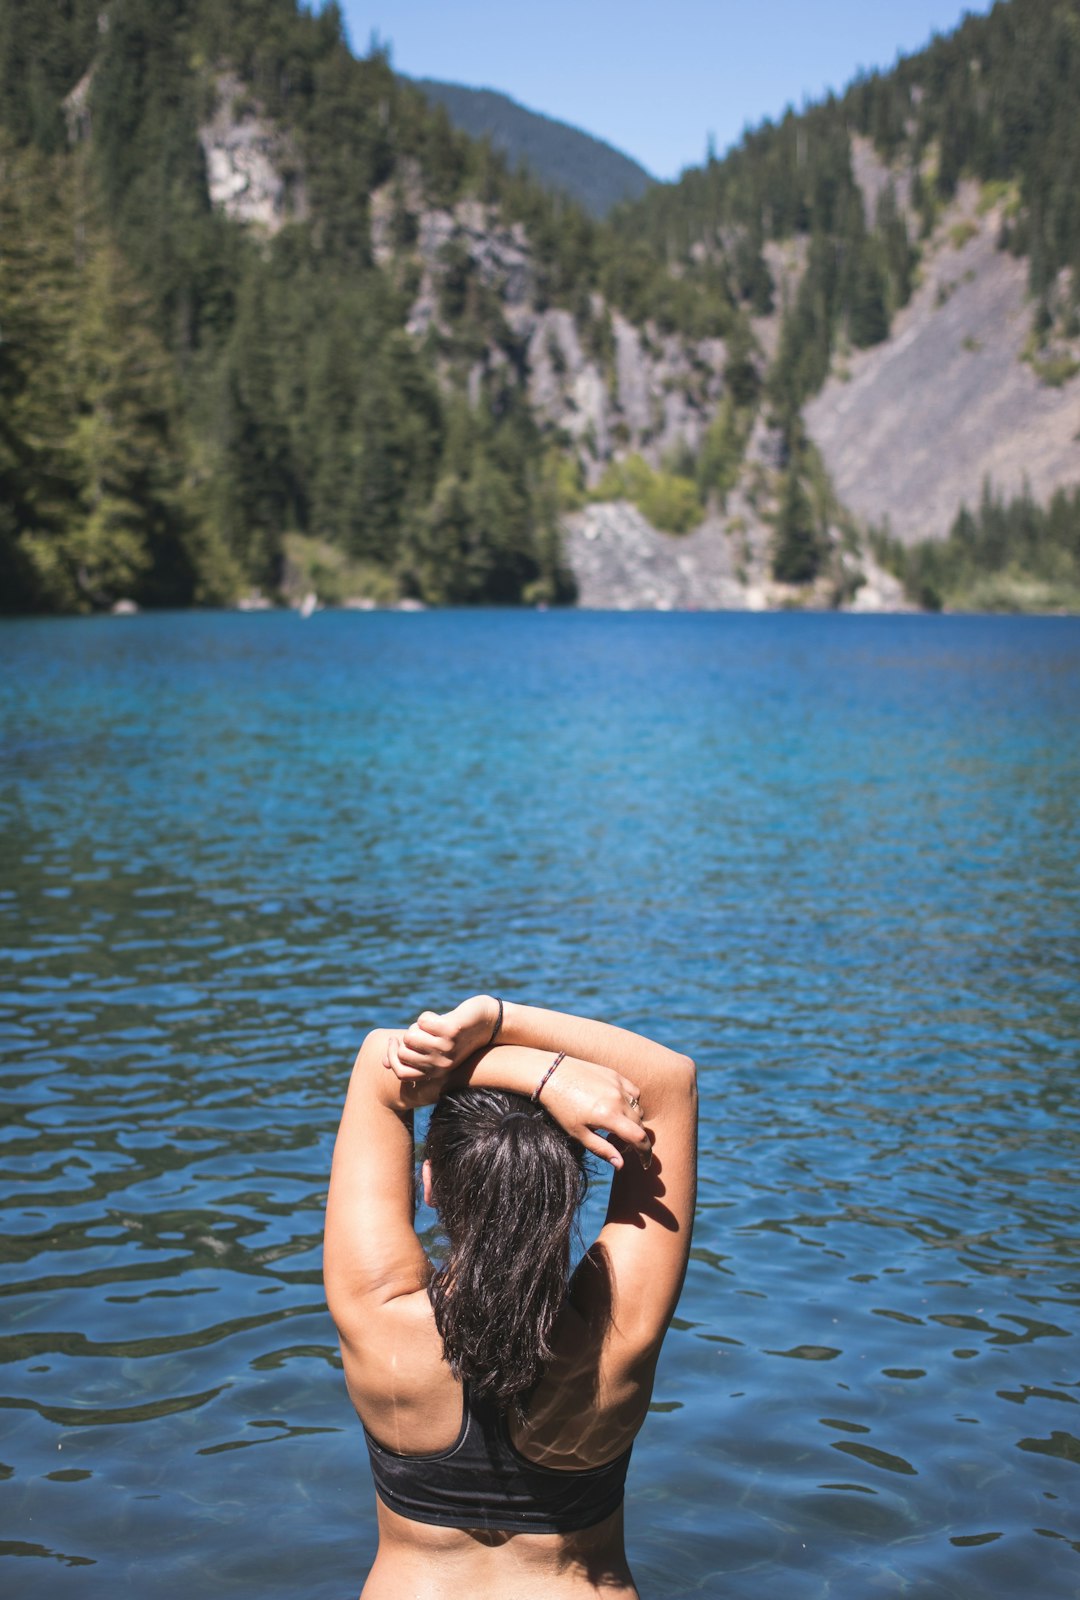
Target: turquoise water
836 858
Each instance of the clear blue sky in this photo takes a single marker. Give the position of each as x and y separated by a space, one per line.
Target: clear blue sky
652 77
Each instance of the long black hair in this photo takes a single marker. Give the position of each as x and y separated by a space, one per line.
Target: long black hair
507 1182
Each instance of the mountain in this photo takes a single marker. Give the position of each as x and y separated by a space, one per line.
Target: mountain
273 325
910 255
559 156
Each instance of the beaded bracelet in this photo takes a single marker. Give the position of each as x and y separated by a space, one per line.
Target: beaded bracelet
536 1092
498 1023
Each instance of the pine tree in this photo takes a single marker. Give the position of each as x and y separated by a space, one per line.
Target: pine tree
130 538
38 476
253 501
797 550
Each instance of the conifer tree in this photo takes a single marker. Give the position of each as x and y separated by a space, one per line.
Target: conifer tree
130 538
38 478
796 547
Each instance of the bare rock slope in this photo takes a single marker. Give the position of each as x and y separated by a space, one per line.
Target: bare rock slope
912 428
621 562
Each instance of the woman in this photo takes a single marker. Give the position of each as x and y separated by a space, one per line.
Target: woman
499 1400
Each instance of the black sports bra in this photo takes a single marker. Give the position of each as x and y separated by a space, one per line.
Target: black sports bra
483 1481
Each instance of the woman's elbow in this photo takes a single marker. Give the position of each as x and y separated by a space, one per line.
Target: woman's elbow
374 1043
687 1075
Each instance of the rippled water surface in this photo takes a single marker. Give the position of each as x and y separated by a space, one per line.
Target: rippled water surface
835 858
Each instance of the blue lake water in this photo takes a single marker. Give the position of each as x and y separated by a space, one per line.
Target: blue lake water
835 858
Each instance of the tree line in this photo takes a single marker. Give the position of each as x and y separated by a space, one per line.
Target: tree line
1006 555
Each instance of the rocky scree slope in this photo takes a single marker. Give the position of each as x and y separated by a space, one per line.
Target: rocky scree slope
955 398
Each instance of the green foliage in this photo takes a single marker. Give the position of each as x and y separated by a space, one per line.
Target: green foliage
597 332
800 544
797 548
92 467
131 535
722 449
312 566
740 367
38 487
182 401
1055 370
1006 556
44 50
868 314
753 281
487 534
669 500
996 99
961 232
789 178
565 480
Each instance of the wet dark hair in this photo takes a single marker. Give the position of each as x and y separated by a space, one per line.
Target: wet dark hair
507 1183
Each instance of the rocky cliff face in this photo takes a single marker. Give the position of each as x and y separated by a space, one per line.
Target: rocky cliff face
600 383
642 393
611 389
252 169
958 396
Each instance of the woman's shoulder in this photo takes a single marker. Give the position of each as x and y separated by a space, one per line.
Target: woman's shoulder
577 1416
403 1391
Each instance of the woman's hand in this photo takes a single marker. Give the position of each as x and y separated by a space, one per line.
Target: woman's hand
408 1094
583 1097
435 1044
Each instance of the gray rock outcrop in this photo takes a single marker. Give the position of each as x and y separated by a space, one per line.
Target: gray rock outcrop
621 563
252 169
646 393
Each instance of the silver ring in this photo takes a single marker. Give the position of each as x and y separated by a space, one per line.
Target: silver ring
633 1102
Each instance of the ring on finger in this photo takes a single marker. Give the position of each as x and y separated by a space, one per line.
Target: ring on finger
633 1102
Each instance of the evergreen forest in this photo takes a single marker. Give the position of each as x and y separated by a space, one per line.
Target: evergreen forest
1006 555
192 408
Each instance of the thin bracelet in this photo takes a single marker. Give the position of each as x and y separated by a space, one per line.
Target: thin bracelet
498 1023
536 1092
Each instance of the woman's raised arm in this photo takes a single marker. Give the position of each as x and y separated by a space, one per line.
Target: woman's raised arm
371 1254
631 1278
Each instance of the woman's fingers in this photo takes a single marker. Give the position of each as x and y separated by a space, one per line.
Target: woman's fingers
601 1147
423 1049
396 1063
627 1133
633 1134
